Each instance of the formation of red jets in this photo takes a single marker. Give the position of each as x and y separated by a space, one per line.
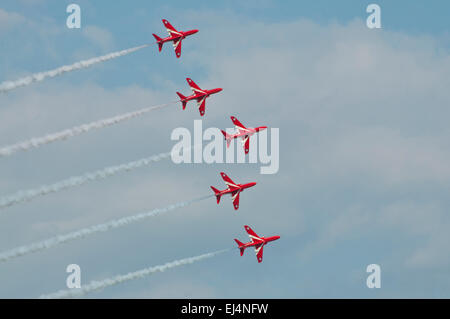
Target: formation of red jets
200 95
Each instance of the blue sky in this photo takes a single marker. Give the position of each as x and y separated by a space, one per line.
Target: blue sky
364 151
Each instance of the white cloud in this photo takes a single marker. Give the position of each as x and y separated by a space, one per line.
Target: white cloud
98 36
10 20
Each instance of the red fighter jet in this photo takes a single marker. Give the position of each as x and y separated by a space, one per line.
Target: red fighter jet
243 132
256 241
175 36
197 94
233 188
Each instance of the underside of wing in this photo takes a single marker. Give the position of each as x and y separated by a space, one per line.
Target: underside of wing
235 198
240 128
259 252
201 105
170 29
246 143
228 181
237 123
253 236
194 87
177 47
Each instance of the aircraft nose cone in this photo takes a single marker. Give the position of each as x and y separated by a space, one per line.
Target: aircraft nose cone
252 184
194 31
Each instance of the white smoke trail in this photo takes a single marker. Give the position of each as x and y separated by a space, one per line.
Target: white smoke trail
97 285
74 131
37 77
27 195
60 239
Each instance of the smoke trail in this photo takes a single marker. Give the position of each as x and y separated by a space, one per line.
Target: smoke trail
96 285
27 195
37 77
74 131
60 239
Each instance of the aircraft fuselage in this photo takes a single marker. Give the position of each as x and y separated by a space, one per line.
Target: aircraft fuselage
179 36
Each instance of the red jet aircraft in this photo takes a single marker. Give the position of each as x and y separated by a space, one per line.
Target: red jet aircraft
175 36
256 241
233 188
243 132
198 94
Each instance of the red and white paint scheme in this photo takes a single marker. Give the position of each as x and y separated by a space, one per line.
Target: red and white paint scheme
233 188
242 132
175 36
197 94
256 241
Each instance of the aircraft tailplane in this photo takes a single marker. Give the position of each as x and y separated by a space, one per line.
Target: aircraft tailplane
240 246
159 41
182 99
227 137
217 193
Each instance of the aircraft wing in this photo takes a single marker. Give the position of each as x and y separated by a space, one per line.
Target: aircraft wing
246 142
235 198
170 29
259 252
177 47
228 181
239 126
237 123
253 236
194 87
201 105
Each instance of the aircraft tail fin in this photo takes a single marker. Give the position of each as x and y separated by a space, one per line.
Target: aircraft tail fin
227 137
159 41
217 193
182 99
240 246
